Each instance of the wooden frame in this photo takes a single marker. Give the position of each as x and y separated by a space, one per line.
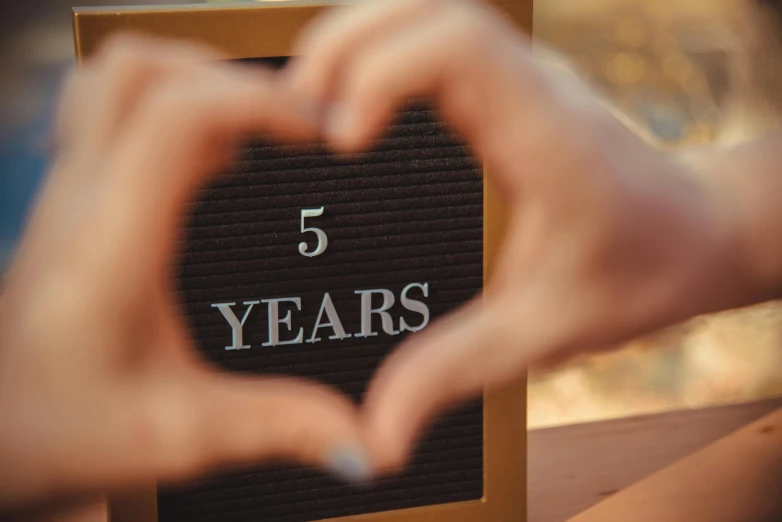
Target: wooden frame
266 30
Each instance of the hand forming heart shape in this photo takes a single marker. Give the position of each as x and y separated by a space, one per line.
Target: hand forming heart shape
99 385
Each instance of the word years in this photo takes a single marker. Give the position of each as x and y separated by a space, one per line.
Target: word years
328 317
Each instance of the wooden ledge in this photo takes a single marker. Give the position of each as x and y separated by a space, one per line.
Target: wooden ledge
736 479
572 468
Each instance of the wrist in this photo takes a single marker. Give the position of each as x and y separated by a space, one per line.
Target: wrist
18 494
743 253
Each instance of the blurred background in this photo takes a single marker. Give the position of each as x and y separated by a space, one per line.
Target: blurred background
688 72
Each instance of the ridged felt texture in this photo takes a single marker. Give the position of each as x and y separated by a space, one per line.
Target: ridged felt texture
409 211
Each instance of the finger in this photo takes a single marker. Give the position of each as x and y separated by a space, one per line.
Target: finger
242 420
72 101
95 101
333 38
105 92
446 363
185 129
442 55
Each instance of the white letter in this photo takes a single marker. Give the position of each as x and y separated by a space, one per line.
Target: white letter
236 325
323 240
414 306
275 321
367 311
334 321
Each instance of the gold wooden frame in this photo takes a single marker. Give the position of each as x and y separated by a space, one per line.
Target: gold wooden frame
267 29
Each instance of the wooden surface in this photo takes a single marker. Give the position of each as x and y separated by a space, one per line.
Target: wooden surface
574 467
739 478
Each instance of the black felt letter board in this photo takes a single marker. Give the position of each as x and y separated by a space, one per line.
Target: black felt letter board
410 211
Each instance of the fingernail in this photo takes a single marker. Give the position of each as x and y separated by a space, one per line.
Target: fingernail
349 464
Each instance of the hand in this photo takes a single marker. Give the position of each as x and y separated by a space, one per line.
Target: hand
99 384
607 238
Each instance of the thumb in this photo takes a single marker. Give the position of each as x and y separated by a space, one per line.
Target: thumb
448 362
242 419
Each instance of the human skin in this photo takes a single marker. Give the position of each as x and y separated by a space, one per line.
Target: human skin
100 387
608 239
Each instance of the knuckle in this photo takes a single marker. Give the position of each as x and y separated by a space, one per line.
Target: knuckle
123 62
119 48
372 84
469 27
316 32
70 85
163 104
366 83
165 111
180 119
127 61
70 94
472 25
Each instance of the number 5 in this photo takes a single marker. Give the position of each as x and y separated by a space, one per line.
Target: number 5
323 240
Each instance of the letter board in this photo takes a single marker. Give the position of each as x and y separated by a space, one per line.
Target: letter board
305 263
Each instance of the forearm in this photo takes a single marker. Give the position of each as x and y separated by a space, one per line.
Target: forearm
746 184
